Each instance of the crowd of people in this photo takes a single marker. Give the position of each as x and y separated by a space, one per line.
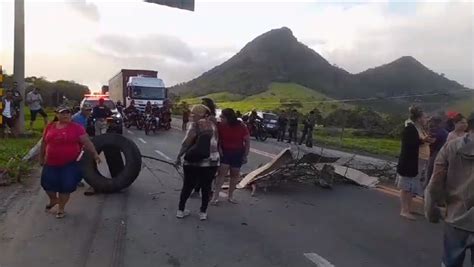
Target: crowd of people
436 162
436 159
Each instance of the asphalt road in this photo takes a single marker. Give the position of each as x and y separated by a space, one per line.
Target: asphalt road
294 225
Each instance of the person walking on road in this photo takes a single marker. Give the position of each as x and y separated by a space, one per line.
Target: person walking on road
293 129
201 159
282 124
186 113
209 103
234 143
309 123
100 113
9 113
452 184
35 101
60 148
460 127
413 157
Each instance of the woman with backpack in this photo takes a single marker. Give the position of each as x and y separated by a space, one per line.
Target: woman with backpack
201 159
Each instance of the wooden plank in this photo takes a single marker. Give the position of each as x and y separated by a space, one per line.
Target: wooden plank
281 159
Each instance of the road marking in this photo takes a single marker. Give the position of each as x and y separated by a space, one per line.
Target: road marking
163 155
263 153
318 260
141 140
176 128
130 132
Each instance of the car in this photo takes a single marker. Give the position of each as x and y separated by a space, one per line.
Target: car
115 123
270 122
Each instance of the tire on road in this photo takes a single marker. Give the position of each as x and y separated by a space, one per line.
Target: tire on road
125 177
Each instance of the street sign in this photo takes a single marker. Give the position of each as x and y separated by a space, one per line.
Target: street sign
181 4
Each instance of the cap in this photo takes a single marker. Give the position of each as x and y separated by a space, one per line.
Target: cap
62 108
86 106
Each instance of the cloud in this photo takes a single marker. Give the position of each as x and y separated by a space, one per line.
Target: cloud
440 37
88 10
153 46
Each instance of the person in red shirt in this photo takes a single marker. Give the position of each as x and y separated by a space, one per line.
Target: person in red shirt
61 146
234 143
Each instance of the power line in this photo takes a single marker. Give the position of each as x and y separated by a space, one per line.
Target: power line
349 100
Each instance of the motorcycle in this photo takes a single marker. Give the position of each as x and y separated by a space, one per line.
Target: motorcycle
134 119
152 123
258 131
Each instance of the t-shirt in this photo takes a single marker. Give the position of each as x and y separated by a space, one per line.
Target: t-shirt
7 109
101 112
80 119
232 137
34 101
62 145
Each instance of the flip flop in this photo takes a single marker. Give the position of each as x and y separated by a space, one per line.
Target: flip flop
60 214
233 201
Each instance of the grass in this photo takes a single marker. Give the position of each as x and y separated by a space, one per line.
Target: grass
376 146
12 150
465 106
278 95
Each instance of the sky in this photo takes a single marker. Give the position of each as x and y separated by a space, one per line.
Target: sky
88 41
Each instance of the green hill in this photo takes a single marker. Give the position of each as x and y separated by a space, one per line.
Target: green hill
277 96
278 57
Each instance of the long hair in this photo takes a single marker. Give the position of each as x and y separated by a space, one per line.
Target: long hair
230 116
210 104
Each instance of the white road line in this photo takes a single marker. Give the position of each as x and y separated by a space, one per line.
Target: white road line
176 128
318 260
141 140
263 153
163 155
130 132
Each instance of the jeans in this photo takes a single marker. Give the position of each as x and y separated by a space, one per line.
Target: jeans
194 175
281 133
307 136
292 134
456 242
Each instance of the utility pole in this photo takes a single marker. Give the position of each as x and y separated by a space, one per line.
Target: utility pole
19 60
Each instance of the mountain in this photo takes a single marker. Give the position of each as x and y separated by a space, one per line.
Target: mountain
277 56
405 75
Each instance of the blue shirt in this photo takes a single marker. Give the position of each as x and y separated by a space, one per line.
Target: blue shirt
80 119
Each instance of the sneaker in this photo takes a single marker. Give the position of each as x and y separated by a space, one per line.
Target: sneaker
181 214
202 216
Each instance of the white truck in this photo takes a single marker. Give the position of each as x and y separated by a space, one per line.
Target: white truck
140 86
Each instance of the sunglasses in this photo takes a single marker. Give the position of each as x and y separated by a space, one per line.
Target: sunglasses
65 112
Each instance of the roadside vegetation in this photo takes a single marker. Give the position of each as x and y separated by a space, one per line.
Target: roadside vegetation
12 150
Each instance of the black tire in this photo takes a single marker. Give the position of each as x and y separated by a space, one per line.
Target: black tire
127 124
124 175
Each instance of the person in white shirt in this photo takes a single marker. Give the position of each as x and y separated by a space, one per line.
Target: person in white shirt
8 113
35 101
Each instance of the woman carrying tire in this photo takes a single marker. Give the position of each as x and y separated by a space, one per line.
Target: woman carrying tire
61 146
234 144
201 159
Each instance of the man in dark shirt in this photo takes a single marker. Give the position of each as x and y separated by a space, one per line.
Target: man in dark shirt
100 113
293 130
282 124
309 123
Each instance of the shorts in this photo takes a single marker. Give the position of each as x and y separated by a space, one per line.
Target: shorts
234 159
35 112
62 179
409 184
10 122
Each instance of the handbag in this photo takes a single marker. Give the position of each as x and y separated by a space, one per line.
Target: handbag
200 150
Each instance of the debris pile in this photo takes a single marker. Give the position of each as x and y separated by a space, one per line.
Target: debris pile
311 168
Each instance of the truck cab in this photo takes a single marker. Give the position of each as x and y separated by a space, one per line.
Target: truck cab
144 89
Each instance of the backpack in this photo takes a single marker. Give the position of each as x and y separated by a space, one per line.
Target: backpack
200 150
